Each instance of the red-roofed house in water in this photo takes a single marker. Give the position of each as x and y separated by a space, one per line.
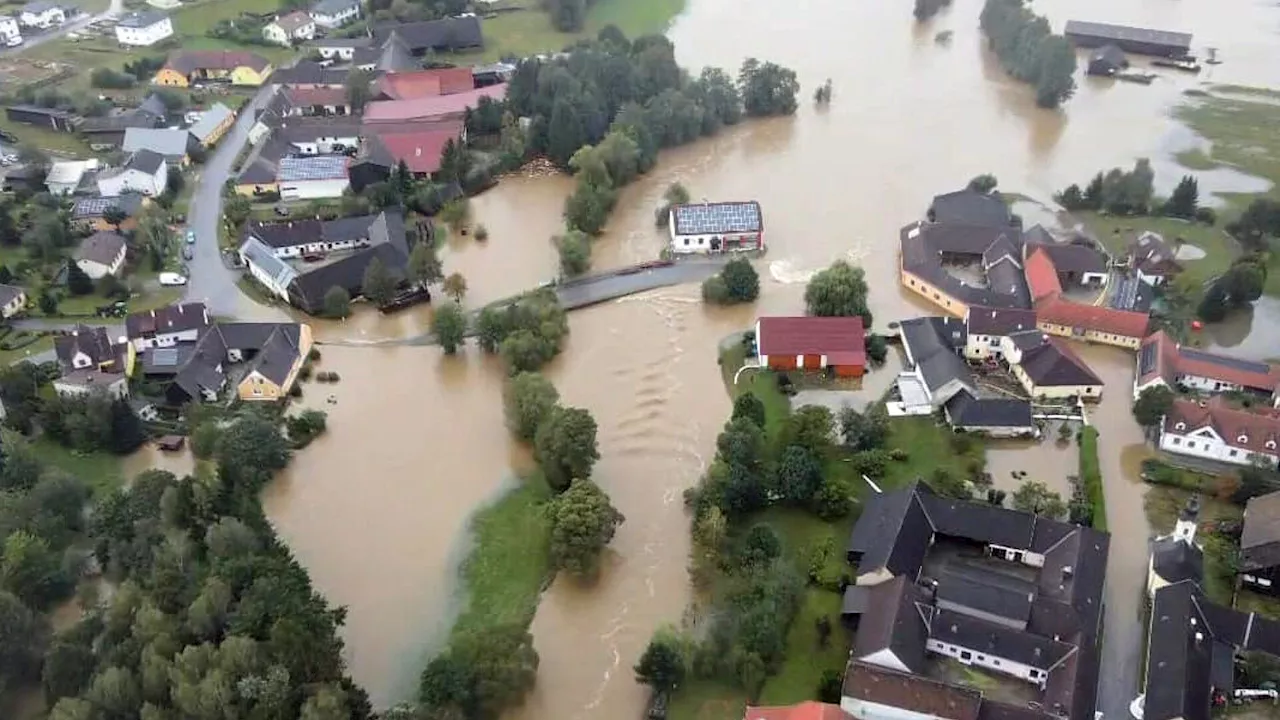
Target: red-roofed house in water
808 710
812 343
424 83
1212 430
420 146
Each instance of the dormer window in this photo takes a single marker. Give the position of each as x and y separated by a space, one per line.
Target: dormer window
1242 439
1271 444
1180 426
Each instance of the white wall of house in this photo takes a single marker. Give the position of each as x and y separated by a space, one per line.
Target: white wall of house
867 710
337 19
1208 385
49 18
1256 580
327 145
9 28
117 388
1152 280
970 656
96 270
134 180
168 339
276 34
1091 278
886 659
337 53
1055 391
688 244
313 189
266 280
294 251
1207 444
981 347
144 36
14 306
1018 555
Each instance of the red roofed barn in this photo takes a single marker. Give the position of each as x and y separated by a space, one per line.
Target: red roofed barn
812 343
808 710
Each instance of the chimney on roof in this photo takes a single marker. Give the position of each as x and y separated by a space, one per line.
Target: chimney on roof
1067 571
1185 529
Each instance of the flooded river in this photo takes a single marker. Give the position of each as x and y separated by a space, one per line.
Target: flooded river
377 508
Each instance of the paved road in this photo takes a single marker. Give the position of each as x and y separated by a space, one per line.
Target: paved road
210 280
30 41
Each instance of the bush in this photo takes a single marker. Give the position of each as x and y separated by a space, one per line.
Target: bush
1091 476
108 79
304 373
1162 473
1206 215
314 354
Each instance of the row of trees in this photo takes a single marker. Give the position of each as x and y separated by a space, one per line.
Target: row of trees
1116 192
1258 225
1029 51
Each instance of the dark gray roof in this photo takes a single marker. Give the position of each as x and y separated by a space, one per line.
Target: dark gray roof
1260 538
856 600
101 247
999 248
392 55
893 621
1124 32
170 143
1074 258
970 207
998 640
277 354
92 341
968 412
446 34
145 161
386 233
1109 57
1175 560
932 345
972 593
154 106
169 319
309 73
999 321
210 120
1180 656
1053 364
9 292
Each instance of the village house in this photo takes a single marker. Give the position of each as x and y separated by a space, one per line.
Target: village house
170 143
101 254
419 146
335 13
286 30
1109 326
145 173
92 362
432 107
307 73
808 710
927 249
1152 259
67 176
238 67
435 36
970 207
91 213
43 117
44 14
1025 603
716 227
339 48
992 417
108 131
10 32
1212 430
934 371
212 125
1048 368
1163 362
1259 563
272 353
812 343
424 83
272 272
1075 265
310 101
312 178
987 326
143 29
1106 61
320 136
166 326
1176 557
13 300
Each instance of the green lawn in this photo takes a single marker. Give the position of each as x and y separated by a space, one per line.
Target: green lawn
508 565
806 660
529 31
9 357
1117 232
102 471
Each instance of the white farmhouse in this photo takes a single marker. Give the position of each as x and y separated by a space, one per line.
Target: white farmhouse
91 363
987 327
716 227
1210 430
311 178
288 29
65 176
1163 362
12 300
42 14
141 29
166 326
335 13
101 254
145 172
273 273
10 33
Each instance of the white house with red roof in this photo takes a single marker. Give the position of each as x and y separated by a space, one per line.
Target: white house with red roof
1163 362
1212 430
812 343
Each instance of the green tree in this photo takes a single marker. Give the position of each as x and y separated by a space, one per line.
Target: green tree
379 284
1185 199
583 522
456 214
985 183
748 406
587 209
78 283
767 89
72 709
528 400
449 325
799 475
358 88
481 674
491 329
662 664
574 248
877 349
676 194
810 427
328 702
838 291
337 302
455 163
1055 82
1152 405
864 431
741 281
1035 497
67 668
31 570
237 209
565 446
424 267
250 450
455 286
115 692
565 131
20 639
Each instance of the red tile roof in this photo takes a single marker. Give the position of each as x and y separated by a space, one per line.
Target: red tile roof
1173 360
841 339
1042 276
1059 311
420 151
808 710
321 96
1255 432
430 107
426 83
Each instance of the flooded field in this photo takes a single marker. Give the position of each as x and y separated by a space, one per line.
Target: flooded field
376 508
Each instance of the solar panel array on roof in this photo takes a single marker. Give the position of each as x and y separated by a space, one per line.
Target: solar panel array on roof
164 356
1237 363
1147 358
327 167
711 218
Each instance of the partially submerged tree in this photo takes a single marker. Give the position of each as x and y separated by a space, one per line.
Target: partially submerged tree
583 521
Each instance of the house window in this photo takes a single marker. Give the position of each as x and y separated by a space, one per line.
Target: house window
1034 674
1235 453
1191 445
257 390
995 662
1176 441
966 655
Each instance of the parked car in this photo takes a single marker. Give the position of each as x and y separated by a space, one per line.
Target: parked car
191 237
169 278
14 41
282 211
187 254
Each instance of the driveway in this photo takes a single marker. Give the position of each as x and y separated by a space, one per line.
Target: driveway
116 8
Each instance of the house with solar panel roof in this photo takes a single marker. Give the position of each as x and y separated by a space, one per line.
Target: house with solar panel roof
1162 361
716 227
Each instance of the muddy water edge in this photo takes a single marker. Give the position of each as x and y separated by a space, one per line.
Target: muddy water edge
377 509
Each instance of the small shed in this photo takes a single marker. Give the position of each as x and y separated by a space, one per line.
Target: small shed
1107 61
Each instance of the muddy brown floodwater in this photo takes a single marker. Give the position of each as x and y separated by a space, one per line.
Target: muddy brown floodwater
377 509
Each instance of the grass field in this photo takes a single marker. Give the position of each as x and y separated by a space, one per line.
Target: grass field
1117 232
102 471
529 31
9 357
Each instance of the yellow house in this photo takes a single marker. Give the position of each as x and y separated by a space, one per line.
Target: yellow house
193 66
1108 326
1047 367
275 369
